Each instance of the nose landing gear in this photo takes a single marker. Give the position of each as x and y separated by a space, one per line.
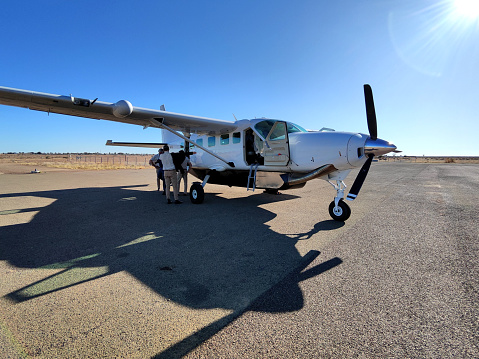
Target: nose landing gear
338 209
340 212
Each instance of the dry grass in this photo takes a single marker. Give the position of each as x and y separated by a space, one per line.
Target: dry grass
114 162
80 162
433 159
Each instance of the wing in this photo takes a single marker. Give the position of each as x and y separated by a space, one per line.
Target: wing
121 111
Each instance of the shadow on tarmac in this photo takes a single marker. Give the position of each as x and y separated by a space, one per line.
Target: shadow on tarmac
220 254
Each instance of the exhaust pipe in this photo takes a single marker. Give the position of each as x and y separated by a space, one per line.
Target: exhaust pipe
291 181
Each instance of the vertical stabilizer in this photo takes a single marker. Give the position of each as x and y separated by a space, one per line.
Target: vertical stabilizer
174 142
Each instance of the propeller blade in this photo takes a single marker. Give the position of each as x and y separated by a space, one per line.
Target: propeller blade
358 182
370 112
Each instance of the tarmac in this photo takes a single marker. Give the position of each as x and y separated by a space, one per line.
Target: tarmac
95 264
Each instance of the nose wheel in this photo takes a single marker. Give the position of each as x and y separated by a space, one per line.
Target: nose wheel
338 209
341 212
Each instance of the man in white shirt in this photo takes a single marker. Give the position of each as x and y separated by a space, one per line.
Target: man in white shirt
169 172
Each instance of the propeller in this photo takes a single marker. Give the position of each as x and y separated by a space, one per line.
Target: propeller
373 135
358 182
370 112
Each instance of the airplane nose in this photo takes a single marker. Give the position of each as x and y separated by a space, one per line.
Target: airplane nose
378 147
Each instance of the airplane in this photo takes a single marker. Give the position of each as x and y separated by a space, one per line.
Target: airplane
263 153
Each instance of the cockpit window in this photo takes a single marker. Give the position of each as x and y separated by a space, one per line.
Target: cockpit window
278 133
264 127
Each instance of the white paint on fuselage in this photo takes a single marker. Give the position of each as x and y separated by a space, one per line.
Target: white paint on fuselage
308 150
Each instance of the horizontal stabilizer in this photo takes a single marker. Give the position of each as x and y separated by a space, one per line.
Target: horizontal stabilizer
135 144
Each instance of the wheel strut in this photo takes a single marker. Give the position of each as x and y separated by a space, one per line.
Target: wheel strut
338 209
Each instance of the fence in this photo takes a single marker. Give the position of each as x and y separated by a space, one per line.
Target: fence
123 160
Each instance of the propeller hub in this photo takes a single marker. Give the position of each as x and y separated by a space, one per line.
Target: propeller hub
378 147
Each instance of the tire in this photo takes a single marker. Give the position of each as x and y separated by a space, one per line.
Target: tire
271 191
197 193
342 213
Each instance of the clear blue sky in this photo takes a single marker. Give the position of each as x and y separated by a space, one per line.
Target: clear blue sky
301 61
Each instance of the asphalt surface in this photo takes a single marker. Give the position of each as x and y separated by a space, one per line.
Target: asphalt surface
96 264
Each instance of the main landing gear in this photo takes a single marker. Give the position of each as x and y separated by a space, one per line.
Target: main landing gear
197 193
338 209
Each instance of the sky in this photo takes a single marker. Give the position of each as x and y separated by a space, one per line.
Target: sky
302 61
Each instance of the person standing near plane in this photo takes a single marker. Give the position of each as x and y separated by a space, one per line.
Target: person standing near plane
186 165
169 171
155 162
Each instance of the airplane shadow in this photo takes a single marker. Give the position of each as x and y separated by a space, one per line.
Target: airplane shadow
327 225
205 256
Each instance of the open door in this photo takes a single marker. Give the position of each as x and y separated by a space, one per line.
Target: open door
276 146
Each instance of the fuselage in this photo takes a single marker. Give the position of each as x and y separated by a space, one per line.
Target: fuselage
307 150
276 147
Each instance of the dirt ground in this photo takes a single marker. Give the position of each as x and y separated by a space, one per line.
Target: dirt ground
96 264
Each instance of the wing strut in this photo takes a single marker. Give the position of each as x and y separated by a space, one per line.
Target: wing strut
157 122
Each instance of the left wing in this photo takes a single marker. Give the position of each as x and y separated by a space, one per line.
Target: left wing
121 111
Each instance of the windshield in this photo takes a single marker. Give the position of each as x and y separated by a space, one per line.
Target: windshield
295 128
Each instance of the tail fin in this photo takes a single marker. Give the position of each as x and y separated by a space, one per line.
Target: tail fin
174 142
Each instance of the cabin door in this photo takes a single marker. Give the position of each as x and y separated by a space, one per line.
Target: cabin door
276 146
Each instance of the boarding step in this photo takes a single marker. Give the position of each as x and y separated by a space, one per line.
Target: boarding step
252 176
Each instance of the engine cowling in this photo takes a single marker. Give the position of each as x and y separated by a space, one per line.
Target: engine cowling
356 149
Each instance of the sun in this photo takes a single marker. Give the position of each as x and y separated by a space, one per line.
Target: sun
467 8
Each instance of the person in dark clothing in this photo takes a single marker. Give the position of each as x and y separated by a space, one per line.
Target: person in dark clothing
155 162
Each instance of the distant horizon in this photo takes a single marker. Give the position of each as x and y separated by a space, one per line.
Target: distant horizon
154 150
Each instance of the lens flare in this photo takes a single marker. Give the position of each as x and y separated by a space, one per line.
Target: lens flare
435 38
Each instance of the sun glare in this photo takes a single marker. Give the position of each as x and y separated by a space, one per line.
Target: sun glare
433 39
467 8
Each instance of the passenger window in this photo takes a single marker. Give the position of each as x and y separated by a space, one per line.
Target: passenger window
199 141
224 139
211 141
237 137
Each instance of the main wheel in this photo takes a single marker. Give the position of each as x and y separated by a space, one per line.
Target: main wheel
341 213
197 193
271 191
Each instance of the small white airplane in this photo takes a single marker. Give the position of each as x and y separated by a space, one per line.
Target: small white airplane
261 153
